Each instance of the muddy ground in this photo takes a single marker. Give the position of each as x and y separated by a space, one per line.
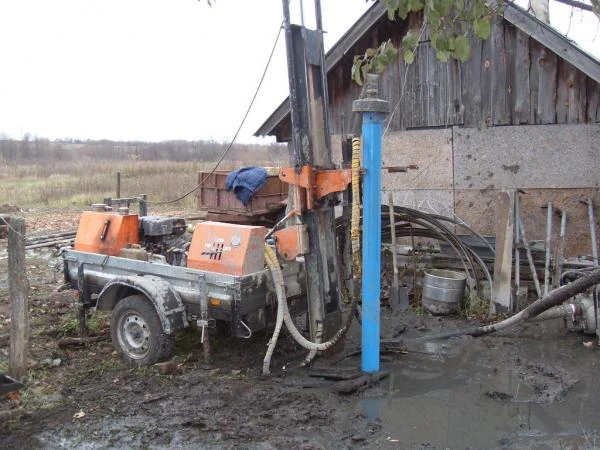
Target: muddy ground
531 387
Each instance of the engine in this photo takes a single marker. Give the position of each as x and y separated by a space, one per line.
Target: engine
165 236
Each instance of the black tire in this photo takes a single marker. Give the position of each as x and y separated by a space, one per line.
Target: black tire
137 333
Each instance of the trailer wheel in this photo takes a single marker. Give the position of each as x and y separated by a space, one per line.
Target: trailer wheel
137 333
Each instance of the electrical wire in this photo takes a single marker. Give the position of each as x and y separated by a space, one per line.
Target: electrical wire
7 223
222 157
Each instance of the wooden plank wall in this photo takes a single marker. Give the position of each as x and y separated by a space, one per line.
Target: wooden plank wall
511 79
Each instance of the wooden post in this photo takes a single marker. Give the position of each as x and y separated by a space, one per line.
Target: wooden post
505 222
118 184
18 287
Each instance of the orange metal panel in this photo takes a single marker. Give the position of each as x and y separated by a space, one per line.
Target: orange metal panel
227 248
292 241
106 232
318 182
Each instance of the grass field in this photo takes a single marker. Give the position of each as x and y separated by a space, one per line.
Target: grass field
39 173
83 182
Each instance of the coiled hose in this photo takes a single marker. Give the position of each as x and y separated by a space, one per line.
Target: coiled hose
283 314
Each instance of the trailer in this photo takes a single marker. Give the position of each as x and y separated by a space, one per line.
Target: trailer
156 278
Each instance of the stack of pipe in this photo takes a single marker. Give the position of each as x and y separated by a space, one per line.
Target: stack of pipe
49 240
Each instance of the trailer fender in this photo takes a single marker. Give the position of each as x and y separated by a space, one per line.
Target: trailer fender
165 299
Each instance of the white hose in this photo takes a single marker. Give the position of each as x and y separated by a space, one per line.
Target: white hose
277 275
278 324
278 281
313 353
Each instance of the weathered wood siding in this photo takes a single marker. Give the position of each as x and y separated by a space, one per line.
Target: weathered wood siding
510 79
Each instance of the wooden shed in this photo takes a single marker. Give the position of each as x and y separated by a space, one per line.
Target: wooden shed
522 113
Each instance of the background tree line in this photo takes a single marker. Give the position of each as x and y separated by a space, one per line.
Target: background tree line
33 149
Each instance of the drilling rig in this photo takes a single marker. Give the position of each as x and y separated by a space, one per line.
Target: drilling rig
156 278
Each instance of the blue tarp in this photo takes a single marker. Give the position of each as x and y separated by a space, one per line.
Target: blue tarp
245 182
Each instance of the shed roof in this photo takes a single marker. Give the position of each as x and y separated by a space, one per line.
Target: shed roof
521 19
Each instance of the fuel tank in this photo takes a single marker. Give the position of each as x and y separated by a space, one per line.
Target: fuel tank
106 232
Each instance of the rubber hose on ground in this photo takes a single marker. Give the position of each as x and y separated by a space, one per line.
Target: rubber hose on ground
552 298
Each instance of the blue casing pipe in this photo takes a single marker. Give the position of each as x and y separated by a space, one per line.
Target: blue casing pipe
371 240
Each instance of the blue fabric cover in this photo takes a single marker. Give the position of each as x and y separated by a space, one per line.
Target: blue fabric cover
245 182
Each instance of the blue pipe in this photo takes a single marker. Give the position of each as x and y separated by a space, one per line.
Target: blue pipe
371 240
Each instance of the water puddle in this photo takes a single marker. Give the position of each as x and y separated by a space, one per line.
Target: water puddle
507 395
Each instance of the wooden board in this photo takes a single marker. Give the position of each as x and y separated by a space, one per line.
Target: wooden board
505 221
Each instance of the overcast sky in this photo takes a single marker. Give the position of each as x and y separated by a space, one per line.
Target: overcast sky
156 69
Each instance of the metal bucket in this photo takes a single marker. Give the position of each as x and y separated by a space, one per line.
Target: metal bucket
442 291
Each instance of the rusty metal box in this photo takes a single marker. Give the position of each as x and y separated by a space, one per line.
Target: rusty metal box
214 197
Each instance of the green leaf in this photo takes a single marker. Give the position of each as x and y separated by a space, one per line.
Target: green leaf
451 43
442 7
482 27
411 39
409 57
462 48
392 6
403 9
378 65
442 55
391 53
440 42
435 21
415 5
355 73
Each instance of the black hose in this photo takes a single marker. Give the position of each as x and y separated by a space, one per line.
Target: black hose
427 221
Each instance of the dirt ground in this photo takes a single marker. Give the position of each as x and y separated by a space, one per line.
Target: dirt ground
531 387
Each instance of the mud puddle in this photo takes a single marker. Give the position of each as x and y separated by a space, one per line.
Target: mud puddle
537 390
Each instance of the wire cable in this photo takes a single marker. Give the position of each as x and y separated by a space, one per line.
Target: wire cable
7 223
222 157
